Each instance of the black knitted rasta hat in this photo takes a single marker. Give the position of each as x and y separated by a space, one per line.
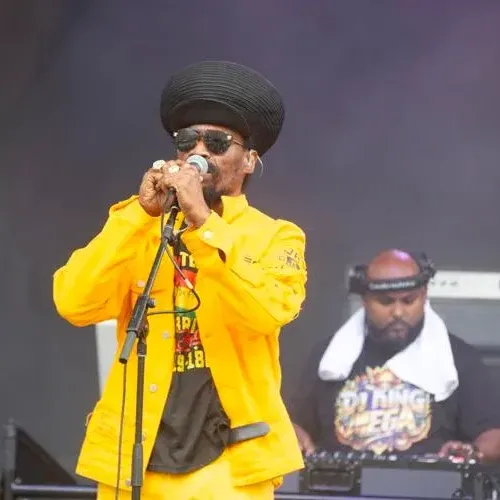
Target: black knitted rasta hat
226 94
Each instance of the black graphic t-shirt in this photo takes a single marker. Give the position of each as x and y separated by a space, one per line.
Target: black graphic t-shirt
373 410
194 429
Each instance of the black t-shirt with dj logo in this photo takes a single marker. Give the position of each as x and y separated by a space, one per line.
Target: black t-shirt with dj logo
373 410
194 429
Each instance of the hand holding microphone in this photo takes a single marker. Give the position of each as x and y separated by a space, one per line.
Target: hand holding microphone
176 180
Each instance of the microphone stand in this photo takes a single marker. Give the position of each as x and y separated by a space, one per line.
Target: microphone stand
138 329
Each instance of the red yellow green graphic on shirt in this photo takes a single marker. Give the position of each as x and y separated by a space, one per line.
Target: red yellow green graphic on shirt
189 353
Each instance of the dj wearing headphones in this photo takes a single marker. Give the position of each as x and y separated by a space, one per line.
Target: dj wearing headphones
392 379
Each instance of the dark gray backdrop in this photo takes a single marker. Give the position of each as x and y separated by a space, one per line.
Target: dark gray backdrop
391 139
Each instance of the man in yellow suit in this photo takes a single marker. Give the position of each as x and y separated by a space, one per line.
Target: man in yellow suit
214 422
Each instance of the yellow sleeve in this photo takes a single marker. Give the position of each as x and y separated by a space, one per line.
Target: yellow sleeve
93 285
262 295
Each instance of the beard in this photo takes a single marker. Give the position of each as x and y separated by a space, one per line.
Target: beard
395 336
212 196
210 193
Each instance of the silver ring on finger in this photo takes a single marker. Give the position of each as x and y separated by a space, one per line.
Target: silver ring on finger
158 164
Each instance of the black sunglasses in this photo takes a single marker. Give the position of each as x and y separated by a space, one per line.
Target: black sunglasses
216 141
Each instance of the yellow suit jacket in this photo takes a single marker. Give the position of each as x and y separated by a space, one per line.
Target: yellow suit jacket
251 281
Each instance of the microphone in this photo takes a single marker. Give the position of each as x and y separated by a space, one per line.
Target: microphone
197 161
202 165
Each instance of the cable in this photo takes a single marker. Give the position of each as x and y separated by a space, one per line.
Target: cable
173 311
120 431
188 283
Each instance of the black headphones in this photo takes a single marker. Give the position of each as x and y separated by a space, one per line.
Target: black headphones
358 282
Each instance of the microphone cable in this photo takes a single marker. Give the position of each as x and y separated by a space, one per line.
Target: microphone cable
190 286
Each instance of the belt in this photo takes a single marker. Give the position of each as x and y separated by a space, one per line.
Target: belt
249 431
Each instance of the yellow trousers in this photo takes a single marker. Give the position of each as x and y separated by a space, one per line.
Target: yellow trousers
212 482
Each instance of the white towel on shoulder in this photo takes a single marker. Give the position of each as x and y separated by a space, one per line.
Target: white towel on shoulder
426 363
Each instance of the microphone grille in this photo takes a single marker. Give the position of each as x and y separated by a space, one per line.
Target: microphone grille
199 162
